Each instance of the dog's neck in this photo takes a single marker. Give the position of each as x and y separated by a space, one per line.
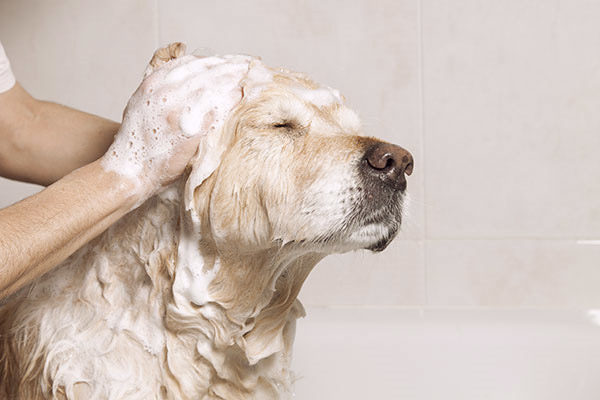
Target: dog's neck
237 343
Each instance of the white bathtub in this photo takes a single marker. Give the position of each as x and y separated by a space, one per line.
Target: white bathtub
344 353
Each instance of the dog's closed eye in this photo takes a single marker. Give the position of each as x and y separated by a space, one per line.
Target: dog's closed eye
291 127
285 125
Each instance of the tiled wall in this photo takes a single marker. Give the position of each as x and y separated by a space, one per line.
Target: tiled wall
497 100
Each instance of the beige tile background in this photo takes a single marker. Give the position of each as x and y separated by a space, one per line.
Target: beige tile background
498 102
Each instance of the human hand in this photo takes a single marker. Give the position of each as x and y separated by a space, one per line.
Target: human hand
176 104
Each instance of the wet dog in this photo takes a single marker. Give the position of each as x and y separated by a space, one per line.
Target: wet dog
194 294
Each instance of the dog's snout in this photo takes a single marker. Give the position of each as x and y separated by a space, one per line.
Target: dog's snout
390 163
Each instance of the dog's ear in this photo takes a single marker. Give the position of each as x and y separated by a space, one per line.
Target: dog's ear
215 143
204 164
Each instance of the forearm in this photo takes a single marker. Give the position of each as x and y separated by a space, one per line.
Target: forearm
42 141
41 231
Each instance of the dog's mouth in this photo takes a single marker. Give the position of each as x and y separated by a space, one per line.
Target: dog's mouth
382 241
377 227
381 244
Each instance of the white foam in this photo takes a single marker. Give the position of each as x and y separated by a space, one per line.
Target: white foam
193 67
201 91
192 281
210 112
258 78
320 97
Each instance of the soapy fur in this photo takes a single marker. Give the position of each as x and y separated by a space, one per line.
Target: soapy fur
194 294
186 97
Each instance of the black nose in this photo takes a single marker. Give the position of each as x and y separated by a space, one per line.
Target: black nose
389 162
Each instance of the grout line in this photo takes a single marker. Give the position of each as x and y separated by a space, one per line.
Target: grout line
422 147
156 25
577 240
589 242
450 307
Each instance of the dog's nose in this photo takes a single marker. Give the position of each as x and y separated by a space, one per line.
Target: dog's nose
389 162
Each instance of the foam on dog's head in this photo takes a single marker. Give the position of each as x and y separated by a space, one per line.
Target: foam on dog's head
184 97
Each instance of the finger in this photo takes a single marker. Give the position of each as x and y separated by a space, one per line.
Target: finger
166 54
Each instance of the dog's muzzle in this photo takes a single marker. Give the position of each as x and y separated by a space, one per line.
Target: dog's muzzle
383 170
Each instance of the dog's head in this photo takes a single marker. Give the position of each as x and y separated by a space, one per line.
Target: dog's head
296 171
286 180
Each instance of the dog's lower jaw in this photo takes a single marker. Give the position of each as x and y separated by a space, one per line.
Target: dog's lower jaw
380 245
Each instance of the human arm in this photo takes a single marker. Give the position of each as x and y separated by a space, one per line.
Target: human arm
40 141
41 231
163 123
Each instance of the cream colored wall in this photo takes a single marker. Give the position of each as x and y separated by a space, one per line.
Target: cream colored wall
498 102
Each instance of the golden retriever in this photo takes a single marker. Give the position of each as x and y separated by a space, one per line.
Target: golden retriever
194 294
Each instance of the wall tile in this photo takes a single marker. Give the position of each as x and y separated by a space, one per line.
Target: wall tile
393 277
511 118
513 273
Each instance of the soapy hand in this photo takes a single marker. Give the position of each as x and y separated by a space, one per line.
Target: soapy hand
176 105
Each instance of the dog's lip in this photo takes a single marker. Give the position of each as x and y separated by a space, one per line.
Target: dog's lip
380 245
387 220
379 210
383 216
384 241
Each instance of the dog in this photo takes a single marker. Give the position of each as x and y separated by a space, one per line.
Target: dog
193 295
